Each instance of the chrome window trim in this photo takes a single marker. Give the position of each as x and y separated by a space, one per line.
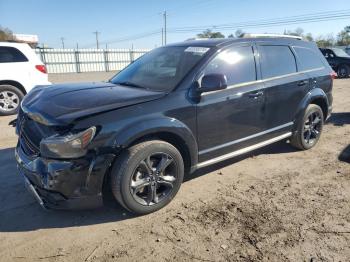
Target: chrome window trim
244 138
243 150
264 80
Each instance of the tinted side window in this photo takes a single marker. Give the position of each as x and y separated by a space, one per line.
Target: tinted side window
308 59
11 54
237 63
327 53
276 61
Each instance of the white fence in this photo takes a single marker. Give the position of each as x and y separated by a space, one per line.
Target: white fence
87 60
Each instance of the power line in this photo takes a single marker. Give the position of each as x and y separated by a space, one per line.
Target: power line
335 15
130 37
298 19
266 25
269 20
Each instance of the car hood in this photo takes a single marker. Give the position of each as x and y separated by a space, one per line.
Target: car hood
344 59
63 103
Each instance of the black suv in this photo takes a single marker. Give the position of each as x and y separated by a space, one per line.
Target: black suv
174 110
338 59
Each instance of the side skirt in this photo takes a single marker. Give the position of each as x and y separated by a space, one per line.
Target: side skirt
243 150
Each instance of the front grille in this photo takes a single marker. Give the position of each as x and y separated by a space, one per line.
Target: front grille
30 134
28 146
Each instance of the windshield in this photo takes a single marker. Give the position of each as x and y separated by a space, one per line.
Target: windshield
340 52
161 69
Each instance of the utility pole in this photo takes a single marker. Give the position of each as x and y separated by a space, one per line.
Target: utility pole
62 41
164 18
162 36
96 33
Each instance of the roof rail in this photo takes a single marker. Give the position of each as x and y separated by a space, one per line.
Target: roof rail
271 35
200 38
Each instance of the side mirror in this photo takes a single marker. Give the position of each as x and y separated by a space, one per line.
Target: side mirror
213 82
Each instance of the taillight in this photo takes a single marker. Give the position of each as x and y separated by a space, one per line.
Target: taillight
333 75
41 68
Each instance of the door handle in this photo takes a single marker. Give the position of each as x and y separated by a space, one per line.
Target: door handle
302 83
256 94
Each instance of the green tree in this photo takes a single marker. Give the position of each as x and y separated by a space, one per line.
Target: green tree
343 38
325 41
6 34
239 33
309 37
296 32
210 34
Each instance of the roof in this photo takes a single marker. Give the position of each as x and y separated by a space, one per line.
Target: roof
13 44
218 42
205 42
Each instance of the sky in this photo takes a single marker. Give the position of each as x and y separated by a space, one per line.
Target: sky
120 22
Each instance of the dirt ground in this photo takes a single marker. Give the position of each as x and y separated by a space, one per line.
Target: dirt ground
275 204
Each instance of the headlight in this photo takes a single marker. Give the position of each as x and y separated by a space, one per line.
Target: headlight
69 146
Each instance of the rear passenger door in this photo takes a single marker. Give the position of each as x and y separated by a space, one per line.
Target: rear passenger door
284 85
315 66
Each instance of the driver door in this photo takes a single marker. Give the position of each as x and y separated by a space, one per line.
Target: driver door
230 119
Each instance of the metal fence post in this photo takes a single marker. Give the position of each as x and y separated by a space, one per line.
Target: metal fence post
131 52
77 63
105 55
74 60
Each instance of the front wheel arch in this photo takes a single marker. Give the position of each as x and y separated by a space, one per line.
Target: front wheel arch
169 130
15 84
174 140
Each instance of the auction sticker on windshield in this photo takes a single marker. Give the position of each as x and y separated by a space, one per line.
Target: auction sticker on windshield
197 49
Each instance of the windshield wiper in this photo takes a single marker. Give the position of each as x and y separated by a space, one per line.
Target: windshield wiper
127 83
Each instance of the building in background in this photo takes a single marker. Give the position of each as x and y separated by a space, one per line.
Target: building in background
32 40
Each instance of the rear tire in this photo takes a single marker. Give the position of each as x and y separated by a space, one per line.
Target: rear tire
309 129
147 176
343 71
10 100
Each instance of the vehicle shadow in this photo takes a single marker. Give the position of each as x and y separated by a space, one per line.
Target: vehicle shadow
19 212
339 119
344 155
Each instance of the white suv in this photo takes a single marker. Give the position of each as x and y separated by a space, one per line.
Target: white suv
20 71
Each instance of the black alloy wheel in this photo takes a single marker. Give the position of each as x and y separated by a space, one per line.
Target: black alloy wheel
147 176
308 129
312 128
153 179
343 71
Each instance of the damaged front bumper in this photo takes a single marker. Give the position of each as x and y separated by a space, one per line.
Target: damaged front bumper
64 184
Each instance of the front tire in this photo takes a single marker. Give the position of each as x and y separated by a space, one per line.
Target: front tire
147 176
10 100
309 129
343 71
